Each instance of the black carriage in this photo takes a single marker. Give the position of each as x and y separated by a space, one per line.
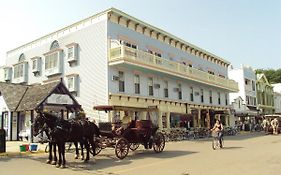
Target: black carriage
138 132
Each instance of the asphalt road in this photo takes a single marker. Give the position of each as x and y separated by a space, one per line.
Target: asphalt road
246 154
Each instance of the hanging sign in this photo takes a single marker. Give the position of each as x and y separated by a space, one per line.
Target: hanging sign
59 99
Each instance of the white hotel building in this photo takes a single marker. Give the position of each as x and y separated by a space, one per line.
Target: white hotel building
114 59
244 102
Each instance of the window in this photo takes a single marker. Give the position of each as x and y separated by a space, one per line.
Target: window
21 57
226 99
255 101
210 97
246 81
211 72
247 100
125 43
166 93
222 76
179 92
202 95
18 70
154 53
34 64
253 86
219 98
70 53
70 82
54 45
191 94
137 84
51 60
150 86
121 81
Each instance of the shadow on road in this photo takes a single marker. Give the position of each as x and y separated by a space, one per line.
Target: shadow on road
232 147
245 136
109 160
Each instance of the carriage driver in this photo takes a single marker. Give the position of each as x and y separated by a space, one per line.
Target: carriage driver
126 120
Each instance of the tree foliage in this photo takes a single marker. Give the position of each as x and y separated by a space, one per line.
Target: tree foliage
273 76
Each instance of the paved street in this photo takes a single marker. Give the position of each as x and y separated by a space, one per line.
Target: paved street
249 154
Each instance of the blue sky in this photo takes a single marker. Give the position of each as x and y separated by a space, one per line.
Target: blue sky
242 31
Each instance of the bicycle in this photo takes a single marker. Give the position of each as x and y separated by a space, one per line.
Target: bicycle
217 141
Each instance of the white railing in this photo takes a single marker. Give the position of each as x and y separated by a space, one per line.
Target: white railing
153 61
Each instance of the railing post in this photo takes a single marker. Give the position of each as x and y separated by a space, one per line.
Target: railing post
122 52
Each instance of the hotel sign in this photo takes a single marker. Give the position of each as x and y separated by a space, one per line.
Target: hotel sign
61 99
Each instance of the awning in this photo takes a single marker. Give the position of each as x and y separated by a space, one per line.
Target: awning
123 108
252 108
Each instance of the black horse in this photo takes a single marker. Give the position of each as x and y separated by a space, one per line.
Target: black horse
62 131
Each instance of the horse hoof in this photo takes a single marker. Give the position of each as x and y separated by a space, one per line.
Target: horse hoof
82 158
53 163
62 166
48 161
76 157
58 165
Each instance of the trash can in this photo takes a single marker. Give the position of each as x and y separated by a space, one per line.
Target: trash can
2 140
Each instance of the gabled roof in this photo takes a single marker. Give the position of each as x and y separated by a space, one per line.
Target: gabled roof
22 97
262 77
12 94
35 95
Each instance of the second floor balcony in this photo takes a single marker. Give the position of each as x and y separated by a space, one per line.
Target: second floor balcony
131 56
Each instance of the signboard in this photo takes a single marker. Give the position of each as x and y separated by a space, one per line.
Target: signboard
61 99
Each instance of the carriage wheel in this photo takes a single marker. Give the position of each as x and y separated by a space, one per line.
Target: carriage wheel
158 142
134 146
122 148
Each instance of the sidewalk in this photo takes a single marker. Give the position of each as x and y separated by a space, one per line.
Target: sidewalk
13 148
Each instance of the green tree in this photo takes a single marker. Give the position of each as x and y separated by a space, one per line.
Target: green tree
273 76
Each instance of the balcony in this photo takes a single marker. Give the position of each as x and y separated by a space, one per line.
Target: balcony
127 55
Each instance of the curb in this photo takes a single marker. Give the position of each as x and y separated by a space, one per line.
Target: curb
21 154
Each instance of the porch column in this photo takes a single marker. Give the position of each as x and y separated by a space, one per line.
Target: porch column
31 127
208 119
11 126
160 122
2 121
168 120
18 117
199 118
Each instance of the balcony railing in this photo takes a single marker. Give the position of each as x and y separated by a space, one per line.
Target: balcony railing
144 59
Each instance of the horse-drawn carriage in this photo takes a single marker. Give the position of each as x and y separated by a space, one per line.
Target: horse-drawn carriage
138 132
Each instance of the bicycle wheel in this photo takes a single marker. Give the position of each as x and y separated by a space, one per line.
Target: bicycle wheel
214 143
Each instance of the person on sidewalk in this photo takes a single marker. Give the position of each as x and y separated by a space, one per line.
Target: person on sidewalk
274 123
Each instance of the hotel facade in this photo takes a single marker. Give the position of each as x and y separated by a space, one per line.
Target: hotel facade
114 59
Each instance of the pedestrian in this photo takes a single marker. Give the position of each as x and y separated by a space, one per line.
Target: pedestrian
274 124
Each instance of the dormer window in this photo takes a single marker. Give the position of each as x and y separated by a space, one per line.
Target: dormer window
53 60
36 65
72 82
72 52
20 70
7 74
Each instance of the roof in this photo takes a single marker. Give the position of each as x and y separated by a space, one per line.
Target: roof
12 94
35 95
23 97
